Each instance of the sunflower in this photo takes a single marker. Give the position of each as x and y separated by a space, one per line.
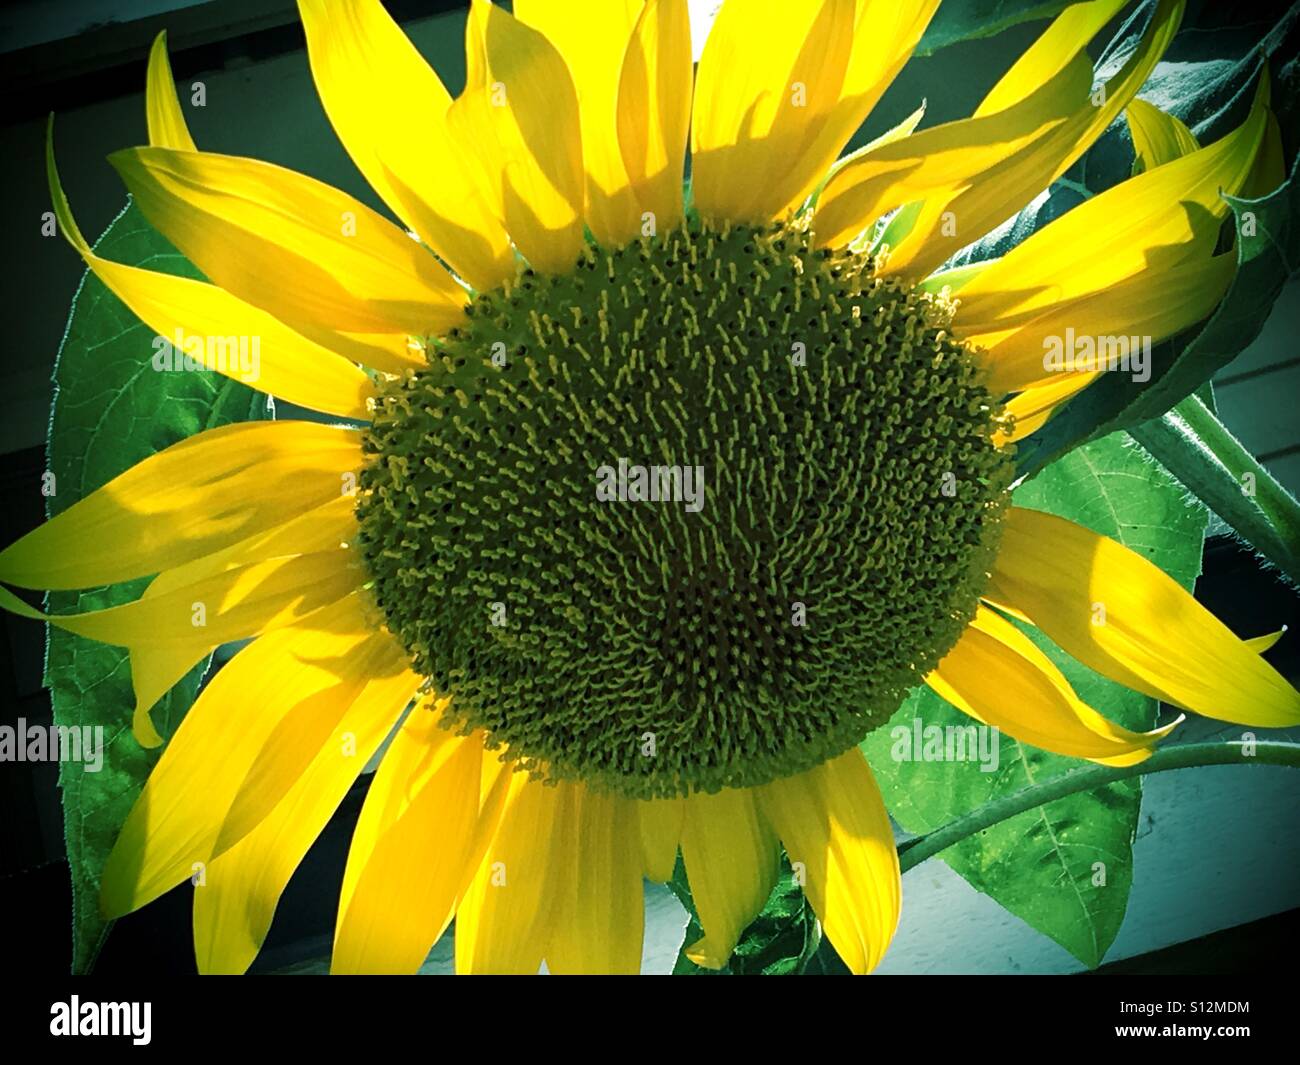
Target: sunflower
577 686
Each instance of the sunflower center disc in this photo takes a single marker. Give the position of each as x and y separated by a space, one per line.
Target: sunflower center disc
696 515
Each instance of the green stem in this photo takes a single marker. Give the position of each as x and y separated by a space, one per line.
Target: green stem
1088 778
1194 446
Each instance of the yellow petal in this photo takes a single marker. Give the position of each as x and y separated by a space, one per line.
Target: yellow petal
1260 644
904 129
411 852
518 119
382 686
599 917
592 37
236 339
1148 308
503 920
167 128
1118 614
1030 410
246 601
661 834
954 279
416 762
223 333
731 859
198 496
171 830
1060 49
1158 138
942 158
393 353
227 606
654 109
768 81
885 34
291 245
836 833
389 108
1159 219
950 222
1055 48
155 667
234 904
1000 677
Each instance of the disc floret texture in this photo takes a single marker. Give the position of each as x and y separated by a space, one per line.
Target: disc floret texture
850 509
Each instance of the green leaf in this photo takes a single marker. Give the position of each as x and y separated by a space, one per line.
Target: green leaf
680 886
1193 445
1041 864
111 410
966 20
781 941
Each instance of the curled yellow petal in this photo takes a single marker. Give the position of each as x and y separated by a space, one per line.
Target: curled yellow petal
1107 330
1158 138
1119 614
167 128
1056 47
1260 644
896 133
949 222
1000 677
997 183
943 158
1157 220
1030 410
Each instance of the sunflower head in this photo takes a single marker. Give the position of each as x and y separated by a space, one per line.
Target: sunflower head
695 514
664 499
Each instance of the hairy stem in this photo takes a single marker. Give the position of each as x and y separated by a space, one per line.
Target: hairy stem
1089 777
1193 445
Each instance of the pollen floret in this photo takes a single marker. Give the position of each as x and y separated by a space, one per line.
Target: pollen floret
845 515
